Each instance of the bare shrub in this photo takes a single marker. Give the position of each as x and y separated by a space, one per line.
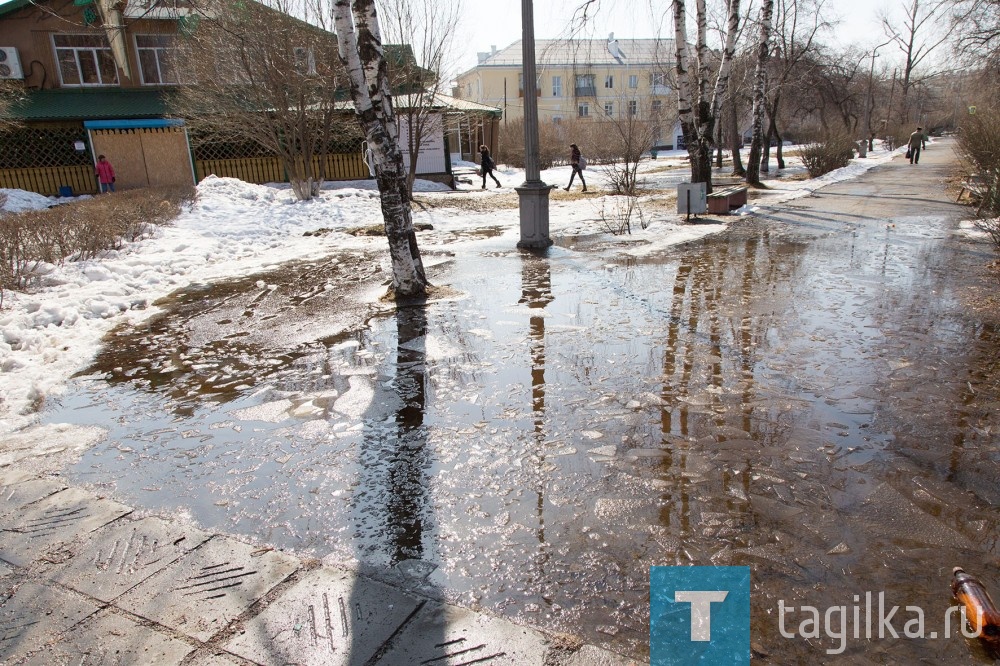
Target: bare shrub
551 144
618 213
979 146
832 152
81 230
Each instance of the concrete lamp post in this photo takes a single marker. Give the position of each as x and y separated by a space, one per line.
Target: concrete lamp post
533 193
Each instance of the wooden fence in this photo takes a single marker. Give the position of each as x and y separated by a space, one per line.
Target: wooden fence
48 180
340 166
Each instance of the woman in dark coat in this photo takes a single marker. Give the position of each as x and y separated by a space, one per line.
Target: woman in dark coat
574 161
488 165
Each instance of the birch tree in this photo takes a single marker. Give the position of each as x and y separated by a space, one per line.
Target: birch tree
759 92
361 52
698 101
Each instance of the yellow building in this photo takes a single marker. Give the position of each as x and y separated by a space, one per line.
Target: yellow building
581 79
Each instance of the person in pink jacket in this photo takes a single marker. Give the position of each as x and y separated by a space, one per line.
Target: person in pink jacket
105 174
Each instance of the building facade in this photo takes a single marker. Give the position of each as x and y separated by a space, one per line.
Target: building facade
582 79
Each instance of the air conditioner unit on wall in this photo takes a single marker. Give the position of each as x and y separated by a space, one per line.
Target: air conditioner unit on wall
10 63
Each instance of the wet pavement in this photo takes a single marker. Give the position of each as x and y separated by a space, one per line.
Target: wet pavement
809 394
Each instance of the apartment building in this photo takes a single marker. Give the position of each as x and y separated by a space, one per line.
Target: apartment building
586 79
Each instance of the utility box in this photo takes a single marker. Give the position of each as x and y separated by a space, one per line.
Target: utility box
691 198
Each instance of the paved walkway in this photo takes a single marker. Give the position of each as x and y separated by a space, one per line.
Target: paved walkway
83 580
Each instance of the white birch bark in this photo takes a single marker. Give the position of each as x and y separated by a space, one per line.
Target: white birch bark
728 50
360 44
685 111
698 112
760 82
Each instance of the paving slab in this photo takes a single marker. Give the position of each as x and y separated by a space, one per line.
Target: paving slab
38 528
15 496
446 635
201 593
32 615
5 570
329 618
590 655
112 639
217 659
119 556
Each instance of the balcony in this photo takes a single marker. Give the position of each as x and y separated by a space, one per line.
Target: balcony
586 91
662 89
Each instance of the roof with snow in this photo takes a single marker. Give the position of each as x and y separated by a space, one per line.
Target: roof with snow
551 52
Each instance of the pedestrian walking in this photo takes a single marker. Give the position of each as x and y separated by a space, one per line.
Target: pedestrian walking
914 145
105 174
487 165
578 163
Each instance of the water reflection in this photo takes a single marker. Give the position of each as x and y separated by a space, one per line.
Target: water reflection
536 294
391 503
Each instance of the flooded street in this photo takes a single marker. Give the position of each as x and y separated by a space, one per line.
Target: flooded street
808 394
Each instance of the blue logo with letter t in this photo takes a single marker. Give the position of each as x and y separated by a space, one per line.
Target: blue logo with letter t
699 615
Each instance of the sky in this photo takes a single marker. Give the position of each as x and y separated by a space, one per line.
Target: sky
498 22
238 228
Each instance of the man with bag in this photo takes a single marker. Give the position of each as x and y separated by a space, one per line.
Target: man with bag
914 144
578 163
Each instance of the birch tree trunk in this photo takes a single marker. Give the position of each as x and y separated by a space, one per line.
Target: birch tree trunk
760 79
360 43
696 109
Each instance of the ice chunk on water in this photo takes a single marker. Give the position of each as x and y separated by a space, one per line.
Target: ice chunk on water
356 400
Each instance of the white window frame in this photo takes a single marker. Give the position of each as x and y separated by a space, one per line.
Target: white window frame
609 108
633 80
583 110
633 107
159 55
95 52
609 81
557 86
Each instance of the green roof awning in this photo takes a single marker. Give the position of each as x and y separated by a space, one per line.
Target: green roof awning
91 104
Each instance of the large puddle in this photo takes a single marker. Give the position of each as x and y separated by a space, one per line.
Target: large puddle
809 399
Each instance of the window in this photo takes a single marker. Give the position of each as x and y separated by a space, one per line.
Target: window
609 81
609 108
158 59
633 107
557 120
633 80
85 60
657 107
557 86
660 84
585 85
583 110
